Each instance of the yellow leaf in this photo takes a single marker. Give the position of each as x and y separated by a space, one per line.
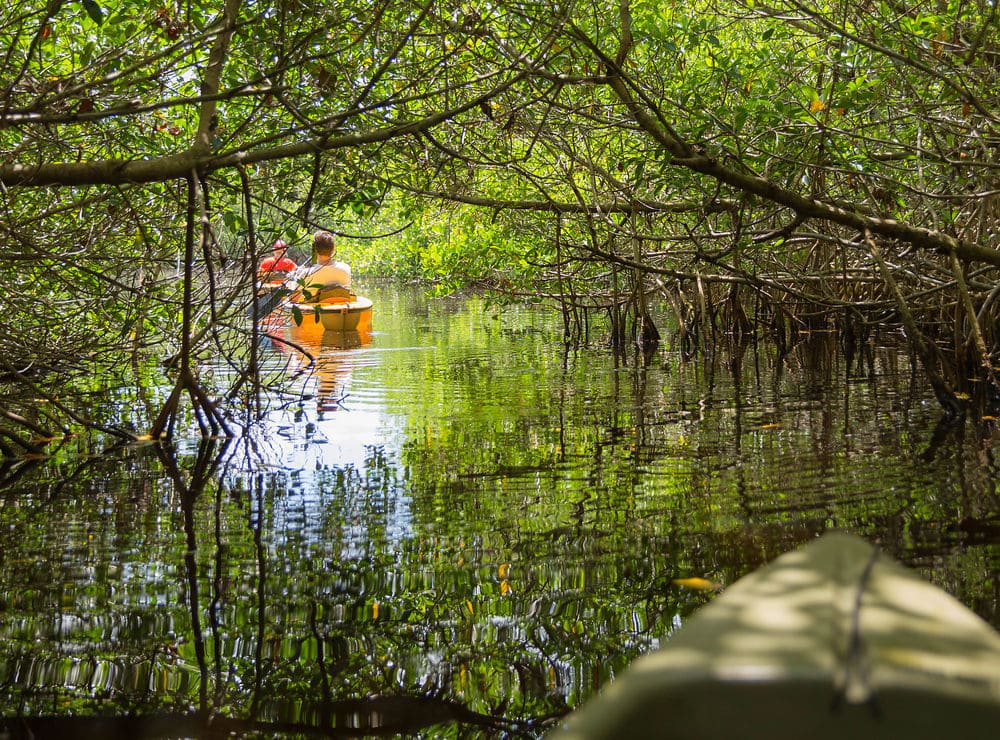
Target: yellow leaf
770 426
816 105
962 396
375 610
697 584
503 570
468 603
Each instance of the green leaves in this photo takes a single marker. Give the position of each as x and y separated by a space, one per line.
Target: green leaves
94 11
234 221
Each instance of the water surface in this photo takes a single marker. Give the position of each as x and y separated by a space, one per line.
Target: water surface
460 527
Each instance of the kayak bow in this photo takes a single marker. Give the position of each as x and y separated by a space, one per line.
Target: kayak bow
831 641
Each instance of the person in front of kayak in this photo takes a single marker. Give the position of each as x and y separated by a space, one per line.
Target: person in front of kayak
277 266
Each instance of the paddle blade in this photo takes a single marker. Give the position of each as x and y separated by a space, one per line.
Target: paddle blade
269 301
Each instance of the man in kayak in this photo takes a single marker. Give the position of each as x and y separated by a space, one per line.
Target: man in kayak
278 266
327 277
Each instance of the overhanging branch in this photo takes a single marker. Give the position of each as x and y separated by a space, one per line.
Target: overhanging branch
684 154
639 205
179 166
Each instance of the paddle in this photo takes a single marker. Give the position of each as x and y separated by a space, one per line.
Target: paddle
270 300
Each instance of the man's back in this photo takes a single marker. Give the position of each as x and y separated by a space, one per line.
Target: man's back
324 275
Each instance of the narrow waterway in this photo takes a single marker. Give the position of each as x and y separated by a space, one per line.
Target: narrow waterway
457 526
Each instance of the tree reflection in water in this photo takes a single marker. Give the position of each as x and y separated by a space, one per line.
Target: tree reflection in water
501 543
253 647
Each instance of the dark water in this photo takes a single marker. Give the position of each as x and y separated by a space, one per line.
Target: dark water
458 529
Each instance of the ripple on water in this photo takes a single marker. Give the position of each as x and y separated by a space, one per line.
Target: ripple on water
482 517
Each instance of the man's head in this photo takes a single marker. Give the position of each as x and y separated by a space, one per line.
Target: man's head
279 248
323 243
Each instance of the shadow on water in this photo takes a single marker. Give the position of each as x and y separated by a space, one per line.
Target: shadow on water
452 529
